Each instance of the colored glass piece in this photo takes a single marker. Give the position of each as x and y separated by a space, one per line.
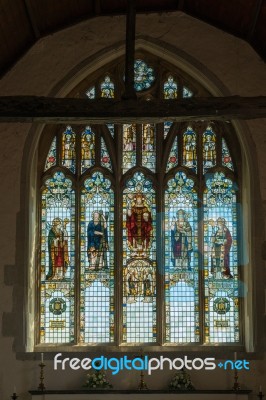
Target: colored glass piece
226 157
144 75
190 149
187 92
107 88
166 128
69 149
91 93
173 156
111 128
209 149
51 157
87 149
105 157
129 147
148 146
170 88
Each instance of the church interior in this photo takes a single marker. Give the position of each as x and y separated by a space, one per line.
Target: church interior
133 196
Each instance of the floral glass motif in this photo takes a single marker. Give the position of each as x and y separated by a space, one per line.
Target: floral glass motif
181 261
129 147
190 149
139 261
107 88
221 260
226 157
57 260
69 149
173 156
187 92
166 128
143 75
170 88
97 261
209 149
91 93
51 157
111 128
148 146
87 149
105 157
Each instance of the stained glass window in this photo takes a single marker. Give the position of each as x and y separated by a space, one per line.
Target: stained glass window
226 157
107 88
97 261
170 88
139 261
129 147
69 149
221 260
148 146
139 226
51 157
57 261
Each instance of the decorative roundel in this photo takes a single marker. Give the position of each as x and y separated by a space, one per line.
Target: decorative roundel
143 76
221 305
57 306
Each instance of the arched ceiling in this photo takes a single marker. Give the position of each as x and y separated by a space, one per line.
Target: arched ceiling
23 22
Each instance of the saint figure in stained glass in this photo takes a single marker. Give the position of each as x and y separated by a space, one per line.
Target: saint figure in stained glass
107 88
221 242
189 148
68 149
181 239
87 149
97 240
139 225
170 88
58 249
209 148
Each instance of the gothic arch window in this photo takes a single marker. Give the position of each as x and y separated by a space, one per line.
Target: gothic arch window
139 224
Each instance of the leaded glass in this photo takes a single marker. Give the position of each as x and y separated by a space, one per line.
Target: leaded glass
170 88
129 147
87 149
173 156
69 149
111 128
143 75
190 149
105 157
139 260
209 149
181 261
57 260
220 260
107 88
166 128
91 93
97 261
187 92
226 157
148 146
51 157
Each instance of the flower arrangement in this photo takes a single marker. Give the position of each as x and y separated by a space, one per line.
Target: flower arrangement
181 381
97 380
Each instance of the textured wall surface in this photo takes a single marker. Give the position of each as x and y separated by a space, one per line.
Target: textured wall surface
236 66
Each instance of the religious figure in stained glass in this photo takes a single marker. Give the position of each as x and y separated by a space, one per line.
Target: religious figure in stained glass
181 240
209 149
221 242
68 149
189 148
140 282
87 149
58 249
129 140
97 241
148 138
139 225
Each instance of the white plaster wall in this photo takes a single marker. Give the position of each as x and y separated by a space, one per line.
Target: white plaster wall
234 63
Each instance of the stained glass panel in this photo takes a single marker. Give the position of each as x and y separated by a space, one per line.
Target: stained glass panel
51 157
143 75
105 156
220 260
139 261
57 260
97 261
166 128
190 149
209 149
107 88
87 149
187 92
170 88
181 261
91 93
69 149
173 156
226 157
111 128
148 146
129 147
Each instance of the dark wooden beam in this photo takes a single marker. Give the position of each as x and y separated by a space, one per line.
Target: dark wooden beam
130 50
254 20
68 110
31 18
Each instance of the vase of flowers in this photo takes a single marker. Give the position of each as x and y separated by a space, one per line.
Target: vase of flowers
97 380
181 381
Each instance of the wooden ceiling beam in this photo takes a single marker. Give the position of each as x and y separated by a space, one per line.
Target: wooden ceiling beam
254 20
68 110
31 18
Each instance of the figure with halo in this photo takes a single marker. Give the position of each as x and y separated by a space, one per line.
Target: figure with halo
181 241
